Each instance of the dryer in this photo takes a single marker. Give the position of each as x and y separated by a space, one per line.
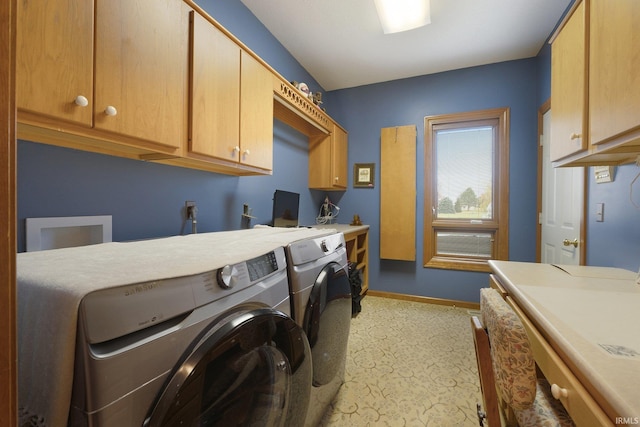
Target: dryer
321 305
217 348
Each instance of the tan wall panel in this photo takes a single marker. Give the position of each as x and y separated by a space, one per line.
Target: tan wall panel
398 193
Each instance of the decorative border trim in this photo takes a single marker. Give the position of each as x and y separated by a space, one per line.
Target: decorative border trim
295 97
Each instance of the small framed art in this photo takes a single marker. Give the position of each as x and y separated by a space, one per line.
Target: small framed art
364 175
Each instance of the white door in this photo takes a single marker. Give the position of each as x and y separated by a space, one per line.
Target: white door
562 207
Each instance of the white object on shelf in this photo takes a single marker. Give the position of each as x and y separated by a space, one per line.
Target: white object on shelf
603 174
66 232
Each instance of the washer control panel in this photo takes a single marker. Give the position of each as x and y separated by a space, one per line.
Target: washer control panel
262 266
256 269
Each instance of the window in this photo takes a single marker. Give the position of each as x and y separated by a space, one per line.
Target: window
466 187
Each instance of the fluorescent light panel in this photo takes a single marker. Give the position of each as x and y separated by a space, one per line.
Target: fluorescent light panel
403 15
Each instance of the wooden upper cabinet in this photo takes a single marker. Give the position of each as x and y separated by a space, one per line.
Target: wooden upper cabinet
569 134
256 113
54 59
215 92
339 156
614 72
141 59
328 160
595 85
231 101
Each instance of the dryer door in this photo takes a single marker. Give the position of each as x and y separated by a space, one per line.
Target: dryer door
250 368
327 320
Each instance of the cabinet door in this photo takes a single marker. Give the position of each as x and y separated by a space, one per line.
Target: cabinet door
328 160
568 87
256 114
141 69
339 157
614 72
54 61
215 92
320 171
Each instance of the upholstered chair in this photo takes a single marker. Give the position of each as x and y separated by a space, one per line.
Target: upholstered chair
523 398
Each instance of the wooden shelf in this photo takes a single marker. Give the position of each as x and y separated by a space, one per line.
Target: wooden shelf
292 108
357 240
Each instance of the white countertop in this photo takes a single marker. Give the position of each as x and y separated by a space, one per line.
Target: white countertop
591 316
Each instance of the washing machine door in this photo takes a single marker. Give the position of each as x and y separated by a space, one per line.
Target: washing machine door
250 368
327 320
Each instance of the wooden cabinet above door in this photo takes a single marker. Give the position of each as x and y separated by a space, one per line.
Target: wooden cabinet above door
595 95
569 62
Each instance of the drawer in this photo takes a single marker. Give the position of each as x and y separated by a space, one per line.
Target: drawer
580 405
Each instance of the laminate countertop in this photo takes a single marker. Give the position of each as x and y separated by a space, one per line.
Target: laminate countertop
591 317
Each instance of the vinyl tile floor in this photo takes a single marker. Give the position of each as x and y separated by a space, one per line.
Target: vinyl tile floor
408 364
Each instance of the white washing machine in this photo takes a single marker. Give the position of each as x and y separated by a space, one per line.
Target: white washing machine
214 349
321 305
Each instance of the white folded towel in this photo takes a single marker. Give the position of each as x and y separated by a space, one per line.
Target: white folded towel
52 283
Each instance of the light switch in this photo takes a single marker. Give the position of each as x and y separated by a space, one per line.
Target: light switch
599 212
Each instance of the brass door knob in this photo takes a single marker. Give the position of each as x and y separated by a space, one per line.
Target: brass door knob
568 242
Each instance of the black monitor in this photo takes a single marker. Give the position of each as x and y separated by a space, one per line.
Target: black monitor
285 208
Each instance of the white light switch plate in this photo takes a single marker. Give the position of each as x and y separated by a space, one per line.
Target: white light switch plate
599 212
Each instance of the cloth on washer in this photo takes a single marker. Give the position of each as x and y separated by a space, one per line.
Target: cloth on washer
52 283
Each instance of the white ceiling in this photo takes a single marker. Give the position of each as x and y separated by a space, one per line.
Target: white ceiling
341 43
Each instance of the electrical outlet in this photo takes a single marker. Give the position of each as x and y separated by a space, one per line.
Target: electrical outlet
190 209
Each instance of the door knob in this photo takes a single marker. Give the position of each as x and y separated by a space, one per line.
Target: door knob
568 242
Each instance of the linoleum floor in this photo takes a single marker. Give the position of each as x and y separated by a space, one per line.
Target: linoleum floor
408 364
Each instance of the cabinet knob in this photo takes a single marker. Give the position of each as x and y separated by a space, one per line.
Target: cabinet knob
81 101
236 149
575 136
110 110
246 152
557 392
336 179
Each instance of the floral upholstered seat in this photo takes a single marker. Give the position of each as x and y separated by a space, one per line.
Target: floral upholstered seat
514 367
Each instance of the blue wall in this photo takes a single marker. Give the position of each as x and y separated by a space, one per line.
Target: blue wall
146 199
615 242
364 110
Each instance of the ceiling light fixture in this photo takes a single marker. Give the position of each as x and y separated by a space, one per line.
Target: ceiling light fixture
403 15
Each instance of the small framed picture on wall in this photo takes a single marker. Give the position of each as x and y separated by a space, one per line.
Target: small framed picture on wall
364 175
